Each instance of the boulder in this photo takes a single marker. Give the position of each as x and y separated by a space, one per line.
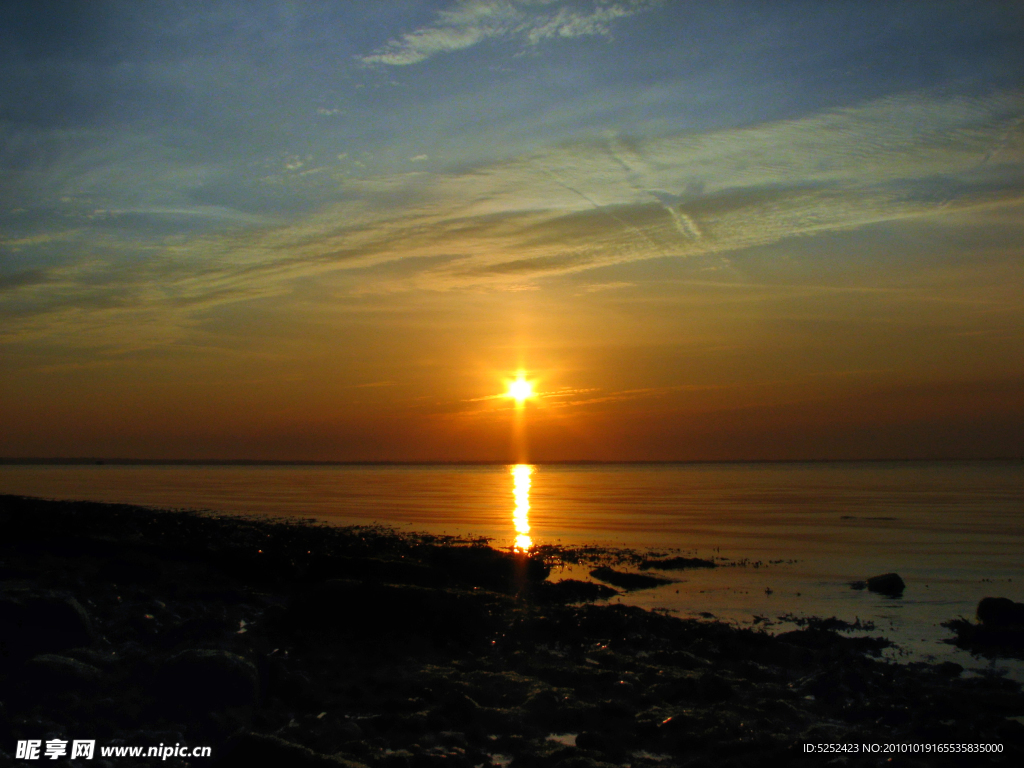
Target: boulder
949 669
204 680
489 568
49 678
54 671
131 569
33 622
602 741
368 611
1000 613
999 631
573 591
887 584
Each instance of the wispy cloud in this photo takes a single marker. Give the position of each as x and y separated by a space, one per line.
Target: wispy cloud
596 204
27 277
472 22
612 286
569 209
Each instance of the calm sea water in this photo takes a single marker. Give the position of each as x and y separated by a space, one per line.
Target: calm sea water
953 531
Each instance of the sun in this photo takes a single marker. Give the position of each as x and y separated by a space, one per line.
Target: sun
520 389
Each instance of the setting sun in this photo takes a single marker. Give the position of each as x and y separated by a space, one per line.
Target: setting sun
477 357
520 389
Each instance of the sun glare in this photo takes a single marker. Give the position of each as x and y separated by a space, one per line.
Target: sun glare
520 389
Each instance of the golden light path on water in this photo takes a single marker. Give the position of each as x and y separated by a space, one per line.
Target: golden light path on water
521 514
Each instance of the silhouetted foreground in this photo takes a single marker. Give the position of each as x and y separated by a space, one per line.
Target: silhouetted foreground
302 645
999 630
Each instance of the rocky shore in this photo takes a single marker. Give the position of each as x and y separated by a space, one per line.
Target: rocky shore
298 644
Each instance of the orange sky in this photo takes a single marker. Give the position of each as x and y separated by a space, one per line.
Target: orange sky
317 246
685 360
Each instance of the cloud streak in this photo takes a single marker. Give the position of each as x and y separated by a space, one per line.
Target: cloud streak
472 22
602 203
569 209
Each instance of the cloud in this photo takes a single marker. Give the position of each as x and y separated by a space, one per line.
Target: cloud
24 278
566 210
571 398
612 286
472 22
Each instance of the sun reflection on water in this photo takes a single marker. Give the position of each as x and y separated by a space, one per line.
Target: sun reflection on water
521 515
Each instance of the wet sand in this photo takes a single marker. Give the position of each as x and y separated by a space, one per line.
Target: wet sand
291 643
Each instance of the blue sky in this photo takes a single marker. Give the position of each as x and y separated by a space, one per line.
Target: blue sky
262 192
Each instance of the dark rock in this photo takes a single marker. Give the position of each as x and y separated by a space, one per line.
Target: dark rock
581 761
1000 613
887 584
712 687
674 729
354 668
461 707
605 742
999 631
627 581
131 569
200 680
369 611
41 621
50 673
558 710
102 659
680 659
487 567
858 585
249 750
349 730
399 758
453 739
677 564
378 569
573 591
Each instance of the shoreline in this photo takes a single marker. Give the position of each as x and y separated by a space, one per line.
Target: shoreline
364 646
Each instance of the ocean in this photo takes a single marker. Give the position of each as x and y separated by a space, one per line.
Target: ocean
789 537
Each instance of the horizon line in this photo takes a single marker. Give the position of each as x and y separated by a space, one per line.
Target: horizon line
105 461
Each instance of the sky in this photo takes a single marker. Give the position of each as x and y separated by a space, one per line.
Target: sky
716 230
